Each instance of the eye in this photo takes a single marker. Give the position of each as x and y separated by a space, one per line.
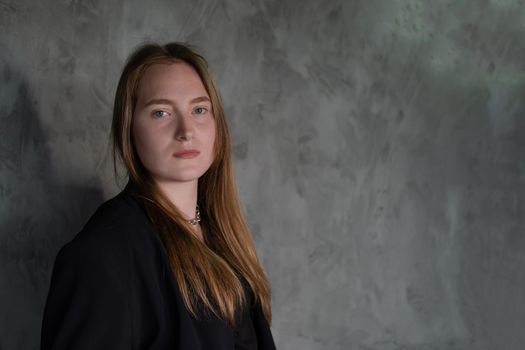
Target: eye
160 114
199 110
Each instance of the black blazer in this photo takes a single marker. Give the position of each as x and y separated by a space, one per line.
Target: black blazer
112 288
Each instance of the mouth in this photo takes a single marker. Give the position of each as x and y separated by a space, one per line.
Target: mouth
187 154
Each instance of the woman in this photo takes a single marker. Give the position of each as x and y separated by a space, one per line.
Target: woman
169 263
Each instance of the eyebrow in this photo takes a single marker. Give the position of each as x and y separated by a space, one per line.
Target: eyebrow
200 99
165 101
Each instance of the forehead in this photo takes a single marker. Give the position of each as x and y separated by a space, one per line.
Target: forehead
174 80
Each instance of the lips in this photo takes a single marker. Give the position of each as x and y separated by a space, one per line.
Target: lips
187 154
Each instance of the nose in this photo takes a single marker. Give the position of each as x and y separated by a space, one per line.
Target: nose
184 129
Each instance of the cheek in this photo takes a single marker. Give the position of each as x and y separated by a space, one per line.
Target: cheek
137 134
145 144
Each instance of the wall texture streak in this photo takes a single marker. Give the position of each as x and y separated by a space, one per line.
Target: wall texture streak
379 148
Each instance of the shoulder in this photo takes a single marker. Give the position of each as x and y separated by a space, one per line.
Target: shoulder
117 215
117 224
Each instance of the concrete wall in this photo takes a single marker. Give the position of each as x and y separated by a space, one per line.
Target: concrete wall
379 149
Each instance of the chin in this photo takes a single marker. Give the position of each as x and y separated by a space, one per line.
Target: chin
185 177
179 175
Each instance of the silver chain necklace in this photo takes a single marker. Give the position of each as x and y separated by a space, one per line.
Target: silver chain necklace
197 217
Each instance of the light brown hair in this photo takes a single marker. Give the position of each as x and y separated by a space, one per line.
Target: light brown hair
208 273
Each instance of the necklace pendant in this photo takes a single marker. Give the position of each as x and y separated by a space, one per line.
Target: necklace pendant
197 217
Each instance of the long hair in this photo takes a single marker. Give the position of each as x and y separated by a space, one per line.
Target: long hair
210 275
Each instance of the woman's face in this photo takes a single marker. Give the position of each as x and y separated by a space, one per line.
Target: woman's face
173 125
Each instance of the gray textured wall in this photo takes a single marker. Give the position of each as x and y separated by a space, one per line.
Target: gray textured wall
379 148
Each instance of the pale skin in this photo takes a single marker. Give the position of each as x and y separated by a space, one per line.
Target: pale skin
174 132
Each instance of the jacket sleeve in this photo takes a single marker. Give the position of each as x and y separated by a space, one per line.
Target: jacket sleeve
87 305
262 328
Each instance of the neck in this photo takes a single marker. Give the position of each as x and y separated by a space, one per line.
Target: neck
183 195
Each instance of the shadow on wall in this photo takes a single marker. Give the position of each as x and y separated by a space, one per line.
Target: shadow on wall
40 211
